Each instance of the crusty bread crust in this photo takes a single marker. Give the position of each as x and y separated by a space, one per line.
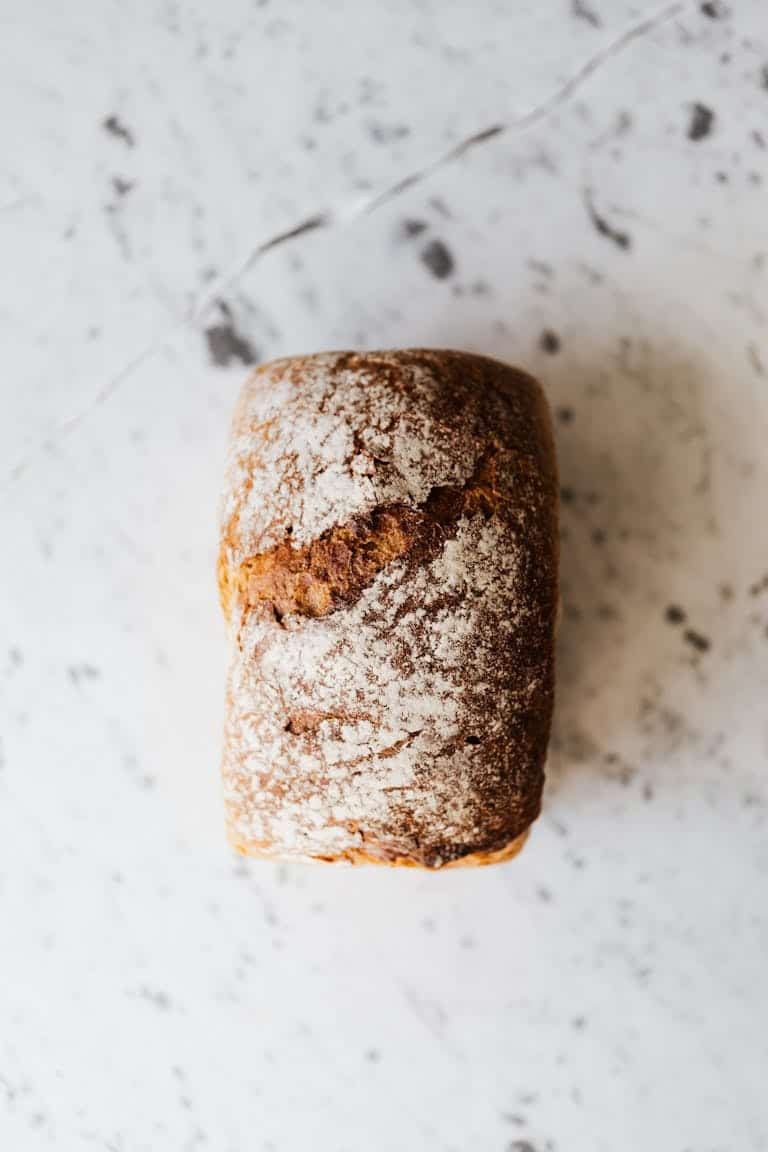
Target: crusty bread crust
357 856
388 571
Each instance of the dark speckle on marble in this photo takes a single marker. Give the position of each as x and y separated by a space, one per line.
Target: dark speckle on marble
549 342
440 206
541 268
701 122
714 10
565 414
226 343
380 133
752 800
156 996
372 1055
674 614
616 768
521 1146
79 672
697 640
764 77
122 186
580 10
616 235
756 360
759 586
412 227
437 258
321 113
120 131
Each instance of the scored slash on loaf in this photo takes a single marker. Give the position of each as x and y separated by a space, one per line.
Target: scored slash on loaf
388 572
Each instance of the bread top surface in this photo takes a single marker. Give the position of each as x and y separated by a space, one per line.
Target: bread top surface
388 569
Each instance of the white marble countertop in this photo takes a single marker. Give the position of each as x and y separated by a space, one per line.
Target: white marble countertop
607 990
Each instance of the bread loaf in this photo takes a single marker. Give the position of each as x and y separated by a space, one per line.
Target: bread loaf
388 572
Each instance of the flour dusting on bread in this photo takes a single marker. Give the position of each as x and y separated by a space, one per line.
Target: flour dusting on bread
388 568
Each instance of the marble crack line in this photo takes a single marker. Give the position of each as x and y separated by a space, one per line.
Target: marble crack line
538 112
70 423
345 213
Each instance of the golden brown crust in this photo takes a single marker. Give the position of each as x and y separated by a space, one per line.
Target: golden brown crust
357 856
391 682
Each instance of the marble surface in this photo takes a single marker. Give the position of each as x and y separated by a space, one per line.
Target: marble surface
608 989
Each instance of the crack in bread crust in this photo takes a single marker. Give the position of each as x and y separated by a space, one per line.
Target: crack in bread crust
333 571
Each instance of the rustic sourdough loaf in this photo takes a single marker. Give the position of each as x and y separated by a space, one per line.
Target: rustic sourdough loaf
388 572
